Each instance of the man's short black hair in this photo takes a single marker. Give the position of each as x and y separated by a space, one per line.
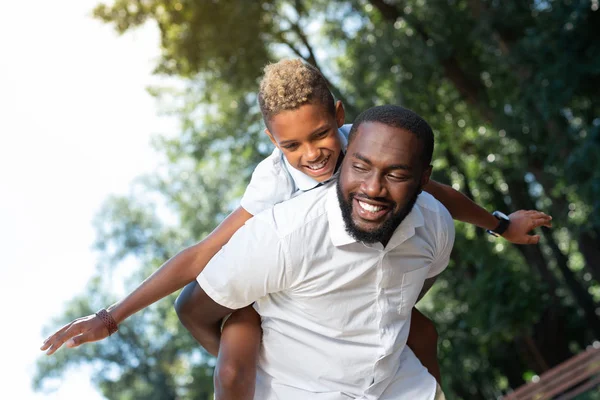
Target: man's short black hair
398 117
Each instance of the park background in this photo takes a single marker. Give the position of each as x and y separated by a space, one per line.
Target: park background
511 89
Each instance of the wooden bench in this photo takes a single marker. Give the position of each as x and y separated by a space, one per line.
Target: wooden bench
565 381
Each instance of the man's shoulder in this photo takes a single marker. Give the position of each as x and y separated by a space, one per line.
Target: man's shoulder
434 212
296 213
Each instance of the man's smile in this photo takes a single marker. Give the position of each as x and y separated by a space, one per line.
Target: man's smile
370 210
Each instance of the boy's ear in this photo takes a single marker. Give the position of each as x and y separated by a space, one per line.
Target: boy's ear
271 137
340 113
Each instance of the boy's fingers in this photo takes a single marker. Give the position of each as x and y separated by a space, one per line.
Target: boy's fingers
50 339
77 340
73 330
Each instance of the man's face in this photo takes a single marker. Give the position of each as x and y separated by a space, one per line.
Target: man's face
380 179
308 138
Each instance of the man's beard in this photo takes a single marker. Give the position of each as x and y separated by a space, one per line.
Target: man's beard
387 228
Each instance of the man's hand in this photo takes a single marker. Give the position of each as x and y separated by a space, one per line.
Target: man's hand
82 330
522 222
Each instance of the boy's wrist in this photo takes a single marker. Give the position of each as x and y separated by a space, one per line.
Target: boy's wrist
116 313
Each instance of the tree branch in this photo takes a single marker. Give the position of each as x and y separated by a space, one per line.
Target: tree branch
471 89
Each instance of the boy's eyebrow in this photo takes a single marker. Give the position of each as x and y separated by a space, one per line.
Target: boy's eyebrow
394 166
318 130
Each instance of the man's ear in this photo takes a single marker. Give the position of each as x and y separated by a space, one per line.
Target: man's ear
340 113
425 176
270 135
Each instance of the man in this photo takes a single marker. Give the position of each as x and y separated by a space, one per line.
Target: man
335 272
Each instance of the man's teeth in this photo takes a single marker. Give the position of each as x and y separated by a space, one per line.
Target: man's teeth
319 165
370 207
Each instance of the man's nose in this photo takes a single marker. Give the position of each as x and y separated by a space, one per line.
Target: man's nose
372 185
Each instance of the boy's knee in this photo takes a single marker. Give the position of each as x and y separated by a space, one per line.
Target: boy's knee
183 306
231 376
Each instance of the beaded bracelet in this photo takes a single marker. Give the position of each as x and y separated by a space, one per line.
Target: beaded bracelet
108 321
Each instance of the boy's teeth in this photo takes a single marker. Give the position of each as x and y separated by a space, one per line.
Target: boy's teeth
320 165
370 207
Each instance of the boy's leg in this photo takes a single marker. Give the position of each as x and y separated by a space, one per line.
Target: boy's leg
235 372
422 340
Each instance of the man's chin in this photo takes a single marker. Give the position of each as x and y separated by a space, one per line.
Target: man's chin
366 227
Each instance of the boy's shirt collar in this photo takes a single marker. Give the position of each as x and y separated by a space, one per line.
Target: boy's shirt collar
304 182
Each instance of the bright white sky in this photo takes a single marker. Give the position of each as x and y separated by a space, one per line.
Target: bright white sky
75 126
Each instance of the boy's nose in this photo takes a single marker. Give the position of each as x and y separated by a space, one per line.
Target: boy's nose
312 153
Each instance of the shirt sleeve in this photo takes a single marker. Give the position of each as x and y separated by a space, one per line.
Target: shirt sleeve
444 243
268 186
251 265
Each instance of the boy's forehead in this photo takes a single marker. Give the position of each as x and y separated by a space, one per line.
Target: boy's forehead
303 119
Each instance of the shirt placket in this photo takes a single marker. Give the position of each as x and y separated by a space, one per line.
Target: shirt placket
383 332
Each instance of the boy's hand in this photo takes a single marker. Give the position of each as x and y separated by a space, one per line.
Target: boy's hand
82 330
522 222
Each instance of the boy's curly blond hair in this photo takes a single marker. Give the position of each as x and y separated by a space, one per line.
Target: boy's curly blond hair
289 84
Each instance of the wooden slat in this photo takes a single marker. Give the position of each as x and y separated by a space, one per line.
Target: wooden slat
560 378
580 389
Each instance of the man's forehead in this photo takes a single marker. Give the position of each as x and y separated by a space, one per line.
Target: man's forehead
375 137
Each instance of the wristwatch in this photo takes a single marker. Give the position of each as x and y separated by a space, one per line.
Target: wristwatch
503 223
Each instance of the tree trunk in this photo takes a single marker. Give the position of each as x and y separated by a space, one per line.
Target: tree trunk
580 294
589 245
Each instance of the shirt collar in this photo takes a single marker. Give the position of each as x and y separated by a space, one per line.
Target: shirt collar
337 227
301 180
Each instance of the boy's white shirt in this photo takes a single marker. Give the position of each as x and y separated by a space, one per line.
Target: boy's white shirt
274 180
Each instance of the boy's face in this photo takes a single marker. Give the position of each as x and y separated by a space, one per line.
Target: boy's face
308 138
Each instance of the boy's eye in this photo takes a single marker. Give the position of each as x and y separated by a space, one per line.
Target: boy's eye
321 135
291 146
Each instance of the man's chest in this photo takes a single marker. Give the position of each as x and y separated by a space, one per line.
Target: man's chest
358 284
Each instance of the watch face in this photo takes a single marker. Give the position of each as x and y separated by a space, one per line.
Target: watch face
500 215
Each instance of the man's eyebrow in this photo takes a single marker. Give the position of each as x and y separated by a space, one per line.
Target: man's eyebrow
394 166
314 132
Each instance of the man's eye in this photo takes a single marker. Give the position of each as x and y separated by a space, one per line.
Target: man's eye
359 168
398 178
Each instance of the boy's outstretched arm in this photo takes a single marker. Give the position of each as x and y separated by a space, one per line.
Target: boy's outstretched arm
180 270
464 209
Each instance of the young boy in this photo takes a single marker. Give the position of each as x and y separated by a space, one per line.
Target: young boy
306 126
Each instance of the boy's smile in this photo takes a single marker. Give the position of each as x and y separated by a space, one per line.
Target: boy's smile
308 137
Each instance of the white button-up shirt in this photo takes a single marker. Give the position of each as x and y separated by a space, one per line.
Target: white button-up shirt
335 312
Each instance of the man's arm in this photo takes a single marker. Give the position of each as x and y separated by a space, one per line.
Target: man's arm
422 340
464 209
201 316
423 337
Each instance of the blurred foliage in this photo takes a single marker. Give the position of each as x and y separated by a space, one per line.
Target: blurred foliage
511 89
